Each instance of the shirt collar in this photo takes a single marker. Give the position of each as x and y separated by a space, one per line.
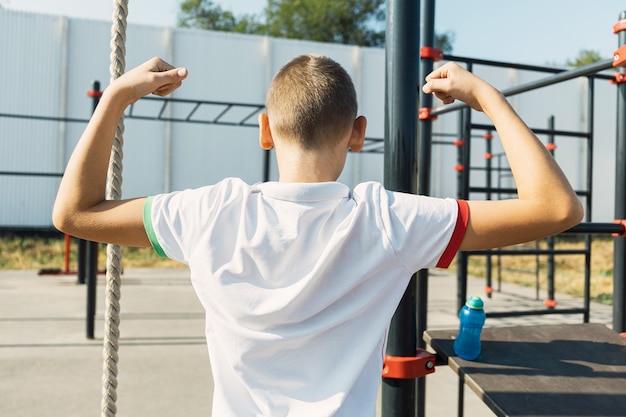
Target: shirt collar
304 192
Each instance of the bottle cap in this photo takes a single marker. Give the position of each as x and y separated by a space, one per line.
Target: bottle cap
475 303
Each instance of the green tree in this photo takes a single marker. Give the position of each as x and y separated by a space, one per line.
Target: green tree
585 57
204 14
351 22
444 41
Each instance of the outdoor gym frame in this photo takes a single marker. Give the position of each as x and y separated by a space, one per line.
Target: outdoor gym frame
407 147
401 396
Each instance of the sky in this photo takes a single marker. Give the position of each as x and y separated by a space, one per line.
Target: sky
541 32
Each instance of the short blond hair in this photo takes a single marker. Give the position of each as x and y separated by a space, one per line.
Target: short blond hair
312 101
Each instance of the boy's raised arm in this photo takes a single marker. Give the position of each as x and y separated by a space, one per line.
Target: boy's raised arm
546 202
80 208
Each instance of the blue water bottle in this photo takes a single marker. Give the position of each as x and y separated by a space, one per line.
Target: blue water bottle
467 342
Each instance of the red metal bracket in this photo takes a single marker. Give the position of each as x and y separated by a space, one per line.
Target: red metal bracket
424 114
487 155
94 93
459 167
618 78
549 303
488 290
410 367
487 136
458 143
550 146
619 26
431 53
623 223
619 56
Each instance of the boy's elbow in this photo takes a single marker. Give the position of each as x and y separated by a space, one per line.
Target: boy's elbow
572 213
59 220
63 218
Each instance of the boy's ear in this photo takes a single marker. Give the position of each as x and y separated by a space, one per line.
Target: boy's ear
265 134
357 137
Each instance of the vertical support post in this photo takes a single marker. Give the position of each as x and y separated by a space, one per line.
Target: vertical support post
589 198
619 253
400 172
425 138
267 159
550 300
465 132
81 264
488 172
465 127
91 248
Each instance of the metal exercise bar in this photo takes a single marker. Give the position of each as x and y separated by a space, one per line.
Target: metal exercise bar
30 174
542 82
539 131
517 313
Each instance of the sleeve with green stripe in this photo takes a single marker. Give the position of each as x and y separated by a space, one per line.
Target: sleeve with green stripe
147 224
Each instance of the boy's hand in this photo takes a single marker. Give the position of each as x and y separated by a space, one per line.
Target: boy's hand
152 77
451 82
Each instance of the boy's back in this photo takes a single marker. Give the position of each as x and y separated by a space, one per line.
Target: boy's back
299 282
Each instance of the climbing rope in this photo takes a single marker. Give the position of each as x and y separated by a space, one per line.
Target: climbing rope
114 252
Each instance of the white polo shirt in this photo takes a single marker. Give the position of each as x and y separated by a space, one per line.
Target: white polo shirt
299 283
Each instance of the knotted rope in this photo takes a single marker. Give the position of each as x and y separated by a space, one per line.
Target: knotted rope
114 252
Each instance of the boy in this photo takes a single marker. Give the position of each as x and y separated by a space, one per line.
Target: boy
300 278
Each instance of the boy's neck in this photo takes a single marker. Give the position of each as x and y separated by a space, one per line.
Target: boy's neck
296 165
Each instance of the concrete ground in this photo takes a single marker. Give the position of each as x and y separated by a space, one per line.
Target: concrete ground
49 368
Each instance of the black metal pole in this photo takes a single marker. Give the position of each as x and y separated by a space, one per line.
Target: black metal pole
92 284
400 170
466 134
488 166
462 194
81 269
465 130
619 254
542 82
267 159
589 187
91 251
425 138
550 302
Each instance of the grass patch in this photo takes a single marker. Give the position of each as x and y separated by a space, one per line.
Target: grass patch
532 270
47 251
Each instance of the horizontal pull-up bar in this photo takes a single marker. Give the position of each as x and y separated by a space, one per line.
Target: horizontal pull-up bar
612 228
533 85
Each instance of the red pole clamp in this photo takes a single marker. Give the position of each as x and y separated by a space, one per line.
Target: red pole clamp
431 53
94 93
488 290
459 167
458 143
550 146
623 223
424 114
487 155
487 136
409 367
619 57
549 303
618 78
619 26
